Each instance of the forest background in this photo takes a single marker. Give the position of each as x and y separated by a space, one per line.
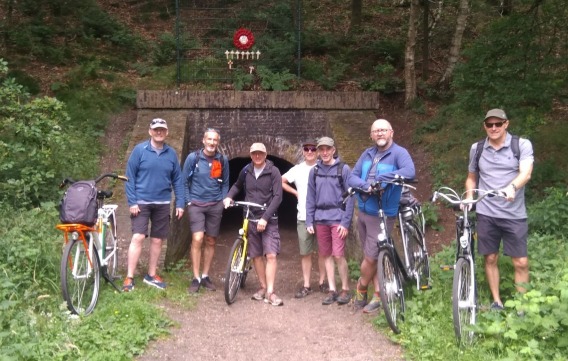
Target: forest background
67 67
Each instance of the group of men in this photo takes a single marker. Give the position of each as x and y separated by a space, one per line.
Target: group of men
202 191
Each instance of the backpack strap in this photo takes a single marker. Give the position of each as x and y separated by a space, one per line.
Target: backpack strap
339 175
481 144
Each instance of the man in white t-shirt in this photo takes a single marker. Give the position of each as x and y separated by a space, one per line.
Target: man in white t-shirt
299 175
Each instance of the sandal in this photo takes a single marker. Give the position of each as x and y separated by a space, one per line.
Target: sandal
273 299
259 295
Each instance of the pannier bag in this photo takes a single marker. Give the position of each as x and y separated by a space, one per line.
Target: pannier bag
79 204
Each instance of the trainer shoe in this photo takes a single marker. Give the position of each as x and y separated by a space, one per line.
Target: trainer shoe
324 287
207 284
273 299
360 297
259 295
303 292
155 281
194 286
344 297
128 284
496 306
331 298
374 305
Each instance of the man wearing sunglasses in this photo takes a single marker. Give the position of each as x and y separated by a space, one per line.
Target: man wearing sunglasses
499 219
299 175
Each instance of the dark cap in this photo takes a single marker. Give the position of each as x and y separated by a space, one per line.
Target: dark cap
309 142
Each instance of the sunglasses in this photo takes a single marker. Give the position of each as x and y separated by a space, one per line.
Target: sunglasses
497 125
310 149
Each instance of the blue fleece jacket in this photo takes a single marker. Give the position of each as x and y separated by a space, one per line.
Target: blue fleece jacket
323 202
151 176
395 161
199 185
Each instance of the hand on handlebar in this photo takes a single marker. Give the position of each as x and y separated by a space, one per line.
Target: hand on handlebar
468 206
508 193
227 202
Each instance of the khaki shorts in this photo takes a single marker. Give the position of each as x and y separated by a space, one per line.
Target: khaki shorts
307 241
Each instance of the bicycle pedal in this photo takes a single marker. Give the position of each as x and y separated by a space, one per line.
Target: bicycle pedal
425 288
447 268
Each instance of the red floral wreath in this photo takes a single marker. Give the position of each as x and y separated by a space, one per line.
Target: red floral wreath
243 39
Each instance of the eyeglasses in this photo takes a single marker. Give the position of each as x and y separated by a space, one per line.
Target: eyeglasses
378 131
497 125
158 121
310 149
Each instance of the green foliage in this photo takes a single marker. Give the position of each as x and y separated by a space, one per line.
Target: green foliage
328 72
385 80
242 80
431 211
550 215
274 81
29 83
165 51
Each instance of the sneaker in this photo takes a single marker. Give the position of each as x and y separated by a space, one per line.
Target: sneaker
207 284
273 299
128 284
331 298
344 297
155 281
496 306
324 287
374 305
259 295
194 286
303 292
360 297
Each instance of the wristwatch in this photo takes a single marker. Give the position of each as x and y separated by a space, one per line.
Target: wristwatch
514 186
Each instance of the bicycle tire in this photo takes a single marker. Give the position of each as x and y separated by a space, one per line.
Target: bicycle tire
80 287
248 267
418 256
111 246
463 301
391 291
233 276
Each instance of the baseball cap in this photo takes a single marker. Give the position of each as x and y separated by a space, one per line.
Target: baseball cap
309 142
326 141
497 113
257 147
158 123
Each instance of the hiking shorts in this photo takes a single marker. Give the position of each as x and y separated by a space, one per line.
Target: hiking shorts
263 243
513 232
329 242
368 228
306 240
156 214
205 218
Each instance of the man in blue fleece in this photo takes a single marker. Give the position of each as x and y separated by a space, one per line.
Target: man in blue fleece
381 162
153 170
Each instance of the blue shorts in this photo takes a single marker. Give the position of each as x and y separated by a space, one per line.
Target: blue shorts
513 232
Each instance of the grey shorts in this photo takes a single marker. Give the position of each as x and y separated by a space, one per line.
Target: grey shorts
157 214
267 242
205 218
513 232
307 241
368 228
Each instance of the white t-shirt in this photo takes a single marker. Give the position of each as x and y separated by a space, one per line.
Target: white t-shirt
299 175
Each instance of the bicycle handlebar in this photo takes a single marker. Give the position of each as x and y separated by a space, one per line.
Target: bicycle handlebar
377 187
68 180
452 197
244 204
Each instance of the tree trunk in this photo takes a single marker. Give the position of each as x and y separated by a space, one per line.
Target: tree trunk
426 40
409 57
356 10
456 41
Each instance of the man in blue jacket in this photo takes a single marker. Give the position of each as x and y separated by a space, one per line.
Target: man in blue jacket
381 162
153 170
206 177
324 216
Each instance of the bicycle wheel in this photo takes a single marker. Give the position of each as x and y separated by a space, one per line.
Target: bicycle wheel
79 279
111 248
391 292
417 256
234 272
463 301
248 267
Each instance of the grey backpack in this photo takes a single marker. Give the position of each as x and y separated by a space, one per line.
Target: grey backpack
79 203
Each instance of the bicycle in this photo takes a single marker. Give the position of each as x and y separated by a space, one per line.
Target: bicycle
89 252
393 271
239 263
464 288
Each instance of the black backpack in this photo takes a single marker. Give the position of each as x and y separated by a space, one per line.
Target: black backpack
339 175
481 144
79 204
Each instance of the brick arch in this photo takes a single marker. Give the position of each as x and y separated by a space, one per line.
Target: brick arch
276 146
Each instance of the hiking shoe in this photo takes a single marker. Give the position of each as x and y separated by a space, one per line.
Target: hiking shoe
207 284
303 292
374 305
360 297
496 306
273 299
194 286
324 287
259 295
155 281
344 297
128 284
331 298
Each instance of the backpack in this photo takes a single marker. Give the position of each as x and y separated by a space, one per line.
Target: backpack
481 143
79 204
339 174
195 166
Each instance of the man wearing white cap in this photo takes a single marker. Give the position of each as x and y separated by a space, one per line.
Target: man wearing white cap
262 183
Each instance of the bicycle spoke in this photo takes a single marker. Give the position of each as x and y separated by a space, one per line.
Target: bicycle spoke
391 293
464 303
234 272
80 278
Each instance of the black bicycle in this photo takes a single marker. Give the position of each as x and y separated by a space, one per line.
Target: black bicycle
392 269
